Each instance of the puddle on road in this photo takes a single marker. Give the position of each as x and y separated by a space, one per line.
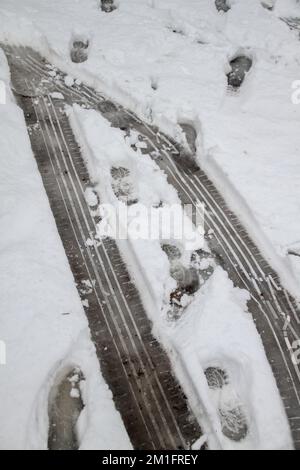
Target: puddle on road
65 407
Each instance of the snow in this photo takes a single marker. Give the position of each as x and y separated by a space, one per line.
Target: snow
166 60
141 228
215 329
91 197
287 8
42 322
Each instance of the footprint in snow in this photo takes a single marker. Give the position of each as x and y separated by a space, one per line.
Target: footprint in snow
79 51
187 279
108 6
204 263
187 159
65 407
107 108
123 186
190 135
222 5
154 84
116 115
268 4
240 66
232 417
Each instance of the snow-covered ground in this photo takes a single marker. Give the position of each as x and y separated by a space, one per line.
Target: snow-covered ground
167 60
42 321
212 327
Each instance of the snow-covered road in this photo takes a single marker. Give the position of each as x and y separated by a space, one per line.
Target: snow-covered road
274 310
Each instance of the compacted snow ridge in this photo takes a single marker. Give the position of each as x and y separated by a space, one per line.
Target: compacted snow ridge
219 77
